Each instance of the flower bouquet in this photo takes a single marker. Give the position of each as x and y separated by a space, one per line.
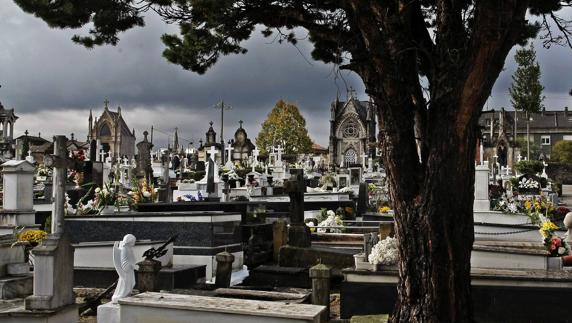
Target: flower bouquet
103 197
555 245
142 192
29 239
384 253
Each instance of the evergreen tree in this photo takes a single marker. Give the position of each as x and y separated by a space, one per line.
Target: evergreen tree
284 126
526 90
458 47
562 152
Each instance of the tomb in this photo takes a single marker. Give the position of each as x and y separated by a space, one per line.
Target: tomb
201 234
156 307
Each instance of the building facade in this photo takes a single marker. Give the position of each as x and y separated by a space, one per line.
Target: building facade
352 132
507 130
113 133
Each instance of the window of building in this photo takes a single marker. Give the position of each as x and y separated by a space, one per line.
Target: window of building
488 122
350 157
545 140
350 130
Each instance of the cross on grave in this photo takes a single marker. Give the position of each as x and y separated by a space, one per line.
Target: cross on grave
60 162
279 151
363 160
53 274
298 233
102 155
519 158
255 154
212 153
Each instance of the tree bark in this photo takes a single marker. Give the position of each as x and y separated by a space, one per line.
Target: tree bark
432 188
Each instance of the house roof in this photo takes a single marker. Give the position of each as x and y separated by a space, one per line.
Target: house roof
361 107
122 123
561 119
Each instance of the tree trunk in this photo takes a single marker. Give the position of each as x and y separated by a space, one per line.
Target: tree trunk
434 221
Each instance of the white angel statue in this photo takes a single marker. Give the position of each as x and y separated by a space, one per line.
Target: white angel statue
124 262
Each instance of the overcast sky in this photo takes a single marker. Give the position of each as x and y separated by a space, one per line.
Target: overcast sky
52 83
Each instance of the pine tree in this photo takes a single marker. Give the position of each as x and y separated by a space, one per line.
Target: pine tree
526 90
284 126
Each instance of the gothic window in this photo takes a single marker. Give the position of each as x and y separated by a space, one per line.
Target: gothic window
105 131
350 157
350 130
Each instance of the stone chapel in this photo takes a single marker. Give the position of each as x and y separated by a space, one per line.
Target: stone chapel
352 130
112 132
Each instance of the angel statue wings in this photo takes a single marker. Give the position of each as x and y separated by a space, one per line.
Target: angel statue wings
124 262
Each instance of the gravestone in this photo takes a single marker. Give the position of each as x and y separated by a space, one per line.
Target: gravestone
362 199
298 233
144 169
53 269
17 203
481 202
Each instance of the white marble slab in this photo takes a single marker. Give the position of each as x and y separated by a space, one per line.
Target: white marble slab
172 308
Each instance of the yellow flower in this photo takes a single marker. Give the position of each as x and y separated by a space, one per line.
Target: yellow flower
549 226
528 205
32 236
384 209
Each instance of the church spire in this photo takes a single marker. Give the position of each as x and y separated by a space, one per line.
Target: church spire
176 140
90 125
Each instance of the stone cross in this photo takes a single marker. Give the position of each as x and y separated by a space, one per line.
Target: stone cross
299 233
255 154
212 153
295 187
279 151
60 162
519 157
53 270
30 158
544 170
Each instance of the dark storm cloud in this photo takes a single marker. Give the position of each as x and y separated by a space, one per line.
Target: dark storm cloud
42 70
52 83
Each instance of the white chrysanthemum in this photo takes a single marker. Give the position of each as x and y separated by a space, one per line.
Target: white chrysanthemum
384 252
330 221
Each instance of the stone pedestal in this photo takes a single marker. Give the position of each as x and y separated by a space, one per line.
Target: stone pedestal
482 202
224 262
147 275
108 313
320 275
280 236
53 274
18 200
299 236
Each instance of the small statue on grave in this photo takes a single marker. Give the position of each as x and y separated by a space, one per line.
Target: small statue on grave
144 169
124 262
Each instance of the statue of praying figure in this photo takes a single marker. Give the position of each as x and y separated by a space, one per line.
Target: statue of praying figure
124 262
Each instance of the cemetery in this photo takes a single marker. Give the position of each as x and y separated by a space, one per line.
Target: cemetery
218 251
422 205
